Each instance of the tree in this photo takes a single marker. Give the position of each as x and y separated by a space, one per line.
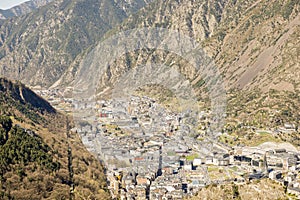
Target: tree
6 123
235 191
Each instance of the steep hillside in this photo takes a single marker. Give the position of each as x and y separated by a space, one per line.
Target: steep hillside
196 19
255 45
258 47
40 157
23 95
23 9
254 42
42 44
264 189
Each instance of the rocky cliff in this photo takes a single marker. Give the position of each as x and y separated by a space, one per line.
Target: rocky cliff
37 48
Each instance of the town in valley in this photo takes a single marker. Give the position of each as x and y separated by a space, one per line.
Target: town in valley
151 152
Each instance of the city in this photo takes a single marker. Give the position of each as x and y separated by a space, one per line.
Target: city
149 99
151 152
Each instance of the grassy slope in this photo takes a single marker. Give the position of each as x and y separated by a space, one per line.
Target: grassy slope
264 189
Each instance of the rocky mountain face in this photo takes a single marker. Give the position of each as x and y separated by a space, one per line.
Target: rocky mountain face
254 43
131 6
40 156
25 96
42 44
195 19
23 8
257 48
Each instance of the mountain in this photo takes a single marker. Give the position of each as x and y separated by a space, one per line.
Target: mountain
23 8
254 44
23 95
258 47
40 156
251 42
37 48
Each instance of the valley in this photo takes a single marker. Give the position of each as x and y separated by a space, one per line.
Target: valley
151 151
115 108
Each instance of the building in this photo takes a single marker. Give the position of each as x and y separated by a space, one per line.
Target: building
274 175
197 162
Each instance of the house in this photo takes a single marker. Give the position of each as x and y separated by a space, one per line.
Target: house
215 160
167 170
275 175
277 151
197 162
242 158
209 160
142 180
129 179
157 193
223 162
221 159
290 127
188 167
257 175
141 193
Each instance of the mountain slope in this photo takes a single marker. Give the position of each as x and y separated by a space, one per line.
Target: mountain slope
38 47
258 47
254 42
267 190
40 157
23 8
